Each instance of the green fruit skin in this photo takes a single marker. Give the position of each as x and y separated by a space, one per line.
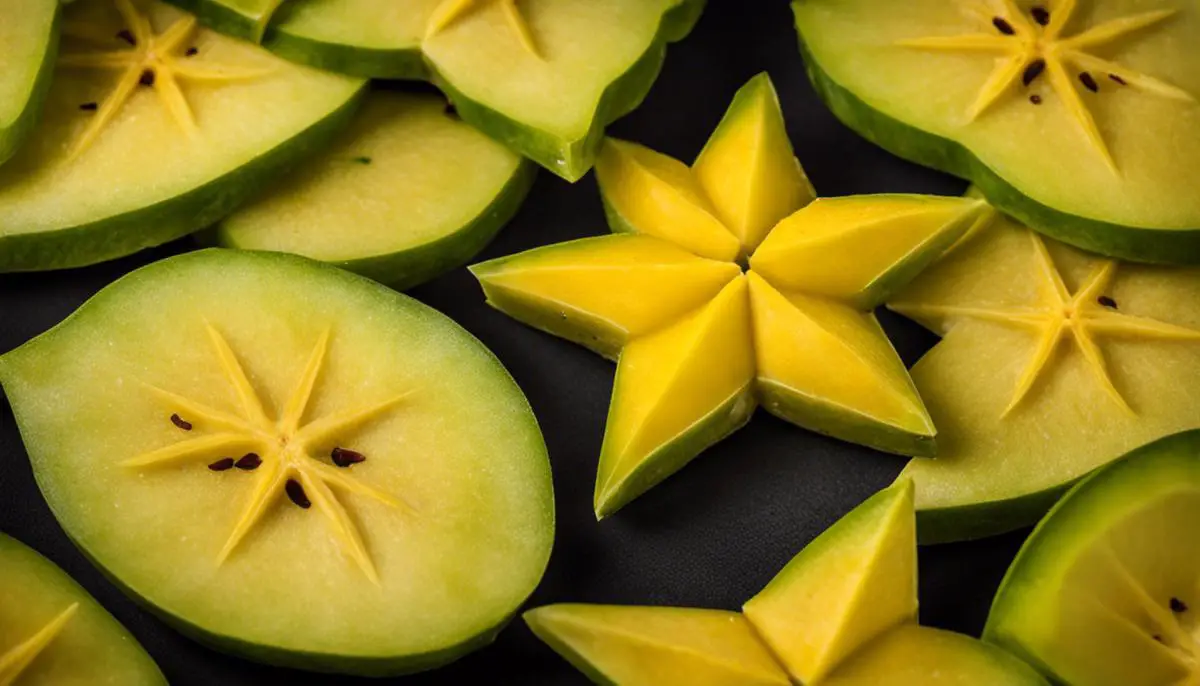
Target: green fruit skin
984 520
224 19
412 267
1131 243
125 234
15 133
407 64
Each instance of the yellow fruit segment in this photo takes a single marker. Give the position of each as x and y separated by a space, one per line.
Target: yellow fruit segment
657 195
603 291
855 581
677 391
861 248
655 646
748 169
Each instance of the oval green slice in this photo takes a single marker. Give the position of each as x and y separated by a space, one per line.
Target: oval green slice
28 44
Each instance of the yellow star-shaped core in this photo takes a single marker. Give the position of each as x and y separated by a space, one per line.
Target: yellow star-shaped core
1033 44
728 286
281 451
450 11
17 659
154 60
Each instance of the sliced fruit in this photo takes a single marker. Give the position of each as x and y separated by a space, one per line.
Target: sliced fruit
1053 363
295 464
52 633
29 36
245 19
1076 118
154 129
1104 592
852 583
407 193
649 646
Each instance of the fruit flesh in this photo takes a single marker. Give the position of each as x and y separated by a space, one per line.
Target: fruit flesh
412 557
52 633
406 193
30 39
246 19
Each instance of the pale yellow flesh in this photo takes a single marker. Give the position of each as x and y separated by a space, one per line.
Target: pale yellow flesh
394 24
24 34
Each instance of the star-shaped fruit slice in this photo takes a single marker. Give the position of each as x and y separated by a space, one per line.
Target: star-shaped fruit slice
843 612
1053 362
699 343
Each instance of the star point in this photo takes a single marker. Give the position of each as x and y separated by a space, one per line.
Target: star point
14 662
450 11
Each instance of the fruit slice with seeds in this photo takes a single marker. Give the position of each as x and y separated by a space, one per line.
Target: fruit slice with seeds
408 192
293 554
245 19
29 36
154 128
1105 592
1078 118
52 633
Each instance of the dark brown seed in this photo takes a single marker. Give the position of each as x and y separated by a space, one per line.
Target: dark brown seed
89 106
126 36
147 78
1003 26
297 495
222 465
1035 99
1107 301
181 422
1157 637
191 52
249 462
344 458
1033 71
451 110
1041 15
1178 606
362 160
1089 82
1118 79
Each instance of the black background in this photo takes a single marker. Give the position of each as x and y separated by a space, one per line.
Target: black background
710 536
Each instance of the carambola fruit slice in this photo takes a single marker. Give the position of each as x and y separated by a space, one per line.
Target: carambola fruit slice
1077 118
406 193
1053 362
295 464
1105 593
52 633
154 128
28 46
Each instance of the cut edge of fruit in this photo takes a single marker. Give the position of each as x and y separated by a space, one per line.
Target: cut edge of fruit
15 132
224 19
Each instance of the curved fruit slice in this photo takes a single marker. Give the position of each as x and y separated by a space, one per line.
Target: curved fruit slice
52 633
245 19
29 36
294 464
405 194
1104 592
1054 362
852 583
649 646
1077 118
154 129
918 656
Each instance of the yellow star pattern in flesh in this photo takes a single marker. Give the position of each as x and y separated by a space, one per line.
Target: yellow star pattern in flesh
18 658
286 446
1027 44
450 11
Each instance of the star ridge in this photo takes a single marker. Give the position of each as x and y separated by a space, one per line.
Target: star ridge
18 658
450 11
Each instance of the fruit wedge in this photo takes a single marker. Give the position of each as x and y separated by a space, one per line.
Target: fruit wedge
52 633
289 462
153 129
1077 118
1104 592
1053 362
406 193
698 343
544 78
28 45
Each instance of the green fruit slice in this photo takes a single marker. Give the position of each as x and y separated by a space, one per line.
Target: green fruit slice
117 165
405 194
1053 362
245 19
28 45
1079 119
1104 592
289 462
52 633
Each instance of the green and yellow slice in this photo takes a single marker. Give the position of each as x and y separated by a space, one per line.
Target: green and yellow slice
294 464
28 45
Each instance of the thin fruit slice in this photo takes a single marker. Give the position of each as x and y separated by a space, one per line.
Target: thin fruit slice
1078 119
1104 593
246 19
855 581
295 464
28 45
407 193
154 129
918 656
650 646
1053 363
52 633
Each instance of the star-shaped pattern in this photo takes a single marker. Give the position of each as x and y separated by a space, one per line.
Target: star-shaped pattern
162 61
280 451
1029 45
18 658
450 11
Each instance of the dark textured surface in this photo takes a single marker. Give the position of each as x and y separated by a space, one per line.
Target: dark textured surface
711 535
